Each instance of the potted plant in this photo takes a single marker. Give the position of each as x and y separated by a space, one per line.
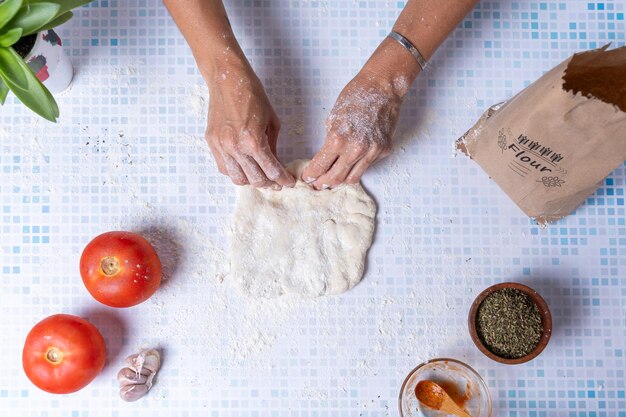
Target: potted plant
31 54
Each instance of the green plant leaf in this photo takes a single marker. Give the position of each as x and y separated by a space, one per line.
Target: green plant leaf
4 90
66 5
31 17
10 37
11 68
38 100
57 21
8 9
35 96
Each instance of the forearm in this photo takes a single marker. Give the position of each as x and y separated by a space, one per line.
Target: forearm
426 23
205 26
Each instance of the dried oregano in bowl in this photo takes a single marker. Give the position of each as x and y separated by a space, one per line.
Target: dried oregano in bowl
509 323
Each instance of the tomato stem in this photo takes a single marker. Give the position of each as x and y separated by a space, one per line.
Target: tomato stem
110 265
54 355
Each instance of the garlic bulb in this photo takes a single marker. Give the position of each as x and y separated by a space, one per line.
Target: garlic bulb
136 377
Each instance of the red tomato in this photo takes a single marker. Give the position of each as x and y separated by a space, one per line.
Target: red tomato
120 269
63 354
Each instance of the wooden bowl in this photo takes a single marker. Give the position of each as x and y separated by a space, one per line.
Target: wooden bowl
546 320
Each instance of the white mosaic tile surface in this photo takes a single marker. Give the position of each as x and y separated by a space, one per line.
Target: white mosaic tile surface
128 153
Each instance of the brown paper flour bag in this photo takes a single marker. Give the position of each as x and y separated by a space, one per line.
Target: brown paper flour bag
552 145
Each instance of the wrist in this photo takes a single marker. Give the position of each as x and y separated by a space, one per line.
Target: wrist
222 62
393 65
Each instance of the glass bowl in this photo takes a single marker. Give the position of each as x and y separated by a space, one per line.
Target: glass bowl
461 382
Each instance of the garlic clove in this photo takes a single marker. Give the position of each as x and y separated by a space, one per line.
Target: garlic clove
128 376
152 360
147 358
132 393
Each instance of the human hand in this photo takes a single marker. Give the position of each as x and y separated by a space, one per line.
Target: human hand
242 130
360 126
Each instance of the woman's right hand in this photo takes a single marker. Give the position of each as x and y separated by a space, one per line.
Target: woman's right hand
242 130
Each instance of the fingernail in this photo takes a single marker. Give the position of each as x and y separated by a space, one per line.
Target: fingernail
309 180
325 186
276 187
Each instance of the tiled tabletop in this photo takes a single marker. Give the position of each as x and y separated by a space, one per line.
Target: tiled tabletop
129 154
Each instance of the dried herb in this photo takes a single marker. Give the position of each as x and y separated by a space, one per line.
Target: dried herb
509 323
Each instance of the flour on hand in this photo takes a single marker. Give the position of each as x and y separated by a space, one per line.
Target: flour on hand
299 240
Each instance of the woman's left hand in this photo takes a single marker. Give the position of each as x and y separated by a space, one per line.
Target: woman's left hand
361 124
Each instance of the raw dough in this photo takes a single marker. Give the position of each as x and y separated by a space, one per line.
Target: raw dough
300 240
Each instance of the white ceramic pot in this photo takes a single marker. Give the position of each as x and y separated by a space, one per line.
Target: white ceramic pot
49 62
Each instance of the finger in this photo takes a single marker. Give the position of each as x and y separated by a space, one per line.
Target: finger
234 171
272 132
267 160
254 173
339 171
320 164
213 141
273 169
219 160
360 167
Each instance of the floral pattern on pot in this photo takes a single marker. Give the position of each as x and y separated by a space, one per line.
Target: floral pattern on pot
49 62
52 37
38 64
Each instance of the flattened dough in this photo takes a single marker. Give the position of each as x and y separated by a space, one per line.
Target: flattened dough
300 240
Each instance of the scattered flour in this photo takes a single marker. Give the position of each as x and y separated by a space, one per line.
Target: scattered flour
197 101
312 393
119 73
